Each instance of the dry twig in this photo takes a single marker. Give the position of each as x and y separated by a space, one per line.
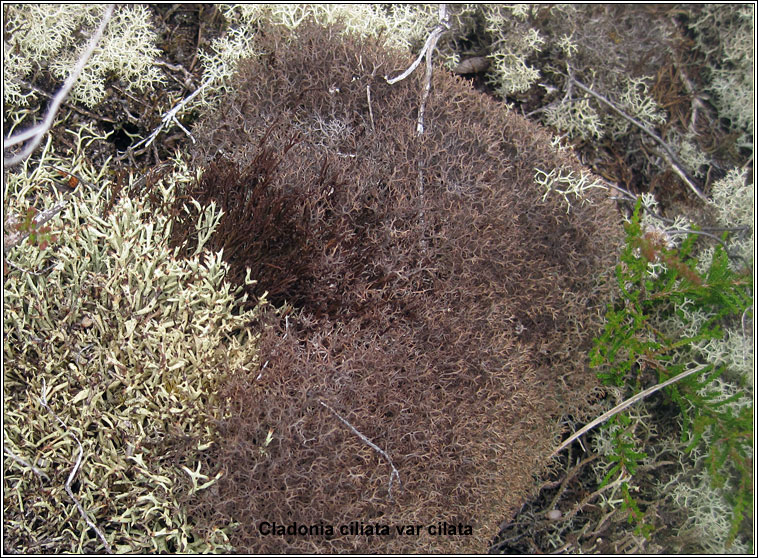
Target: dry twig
25 463
72 106
671 157
628 403
705 231
170 116
427 50
376 448
43 400
34 134
370 112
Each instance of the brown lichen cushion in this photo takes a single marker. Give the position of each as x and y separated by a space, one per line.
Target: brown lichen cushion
443 310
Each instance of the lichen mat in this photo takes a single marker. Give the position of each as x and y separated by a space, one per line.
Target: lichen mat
452 342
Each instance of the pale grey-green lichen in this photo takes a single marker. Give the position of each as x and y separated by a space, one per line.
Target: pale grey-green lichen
53 36
515 41
129 342
565 182
726 35
733 198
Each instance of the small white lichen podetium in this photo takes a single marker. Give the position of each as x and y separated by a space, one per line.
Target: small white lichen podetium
636 101
565 182
52 37
734 201
514 42
579 119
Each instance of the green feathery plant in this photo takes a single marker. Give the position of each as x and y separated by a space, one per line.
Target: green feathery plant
666 314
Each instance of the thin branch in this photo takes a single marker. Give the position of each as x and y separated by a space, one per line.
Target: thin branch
570 475
80 110
370 112
628 403
35 133
17 459
421 204
678 168
622 478
14 238
416 62
427 51
432 43
702 233
673 160
695 103
43 400
706 231
376 448
29 271
171 116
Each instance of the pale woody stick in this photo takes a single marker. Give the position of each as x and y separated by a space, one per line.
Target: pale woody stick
376 448
628 403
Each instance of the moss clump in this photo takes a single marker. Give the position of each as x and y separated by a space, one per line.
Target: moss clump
443 305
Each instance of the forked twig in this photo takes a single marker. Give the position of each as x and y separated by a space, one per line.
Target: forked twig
170 116
427 50
376 448
434 37
43 400
628 403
